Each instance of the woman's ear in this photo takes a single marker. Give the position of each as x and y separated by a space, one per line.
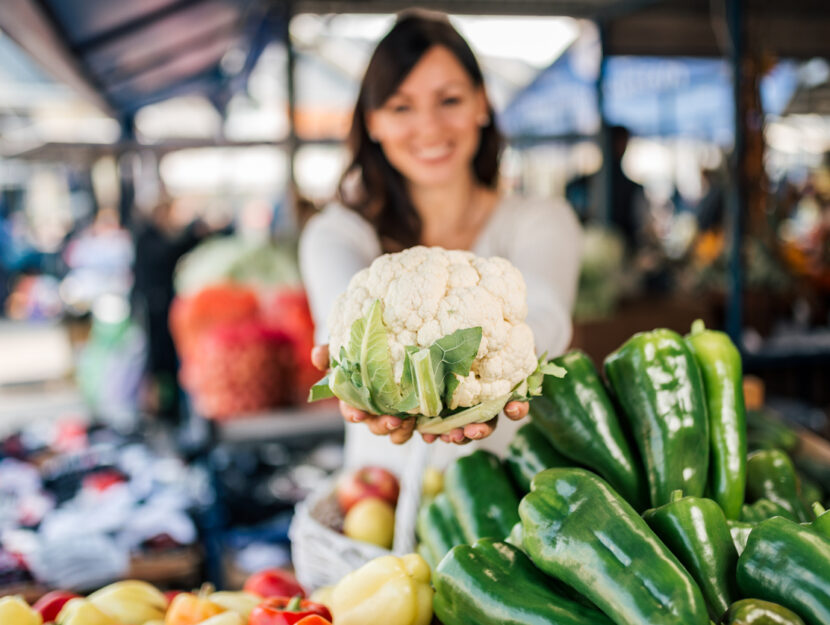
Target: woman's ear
371 126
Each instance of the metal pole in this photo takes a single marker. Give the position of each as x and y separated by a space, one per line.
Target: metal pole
737 192
607 176
291 59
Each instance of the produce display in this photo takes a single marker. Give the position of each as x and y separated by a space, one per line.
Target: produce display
134 602
242 328
435 335
597 514
634 502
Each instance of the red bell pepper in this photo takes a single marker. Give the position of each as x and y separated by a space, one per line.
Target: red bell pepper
314 620
273 583
50 604
286 611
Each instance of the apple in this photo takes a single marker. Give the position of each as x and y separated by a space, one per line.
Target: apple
367 482
273 583
371 520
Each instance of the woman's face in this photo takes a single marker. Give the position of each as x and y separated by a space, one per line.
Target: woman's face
429 128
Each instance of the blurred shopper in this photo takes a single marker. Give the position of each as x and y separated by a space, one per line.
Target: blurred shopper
628 204
160 240
424 171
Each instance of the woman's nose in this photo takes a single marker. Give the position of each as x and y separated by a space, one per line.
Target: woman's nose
428 121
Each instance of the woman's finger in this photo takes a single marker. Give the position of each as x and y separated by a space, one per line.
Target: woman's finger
456 435
352 414
516 410
429 438
384 424
404 432
477 431
320 357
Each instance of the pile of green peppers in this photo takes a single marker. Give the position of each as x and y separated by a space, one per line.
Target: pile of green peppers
632 499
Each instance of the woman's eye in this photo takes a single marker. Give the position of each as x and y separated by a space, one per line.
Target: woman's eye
451 101
400 108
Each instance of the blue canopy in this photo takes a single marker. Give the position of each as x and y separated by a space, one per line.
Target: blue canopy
650 96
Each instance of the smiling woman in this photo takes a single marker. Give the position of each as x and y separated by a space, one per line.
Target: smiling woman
423 170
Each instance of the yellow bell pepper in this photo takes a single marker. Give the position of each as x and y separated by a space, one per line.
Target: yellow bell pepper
225 618
14 610
323 595
84 612
190 609
131 602
388 590
239 602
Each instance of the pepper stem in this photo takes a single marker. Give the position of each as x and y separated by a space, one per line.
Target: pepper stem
294 605
818 509
698 326
676 495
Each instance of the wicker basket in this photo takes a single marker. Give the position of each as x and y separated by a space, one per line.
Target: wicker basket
322 556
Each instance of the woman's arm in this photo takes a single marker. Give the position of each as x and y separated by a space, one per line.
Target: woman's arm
546 247
334 246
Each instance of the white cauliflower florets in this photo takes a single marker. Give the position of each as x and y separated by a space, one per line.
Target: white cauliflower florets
428 293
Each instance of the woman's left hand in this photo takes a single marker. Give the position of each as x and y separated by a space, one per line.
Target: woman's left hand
515 410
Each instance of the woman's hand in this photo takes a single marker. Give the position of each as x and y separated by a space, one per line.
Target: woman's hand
400 430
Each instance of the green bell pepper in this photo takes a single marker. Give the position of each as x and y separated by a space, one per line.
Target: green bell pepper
493 583
757 612
482 496
740 531
576 415
822 522
695 531
577 529
762 510
720 364
810 490
789 564
771 475
438 529
530 452
659 386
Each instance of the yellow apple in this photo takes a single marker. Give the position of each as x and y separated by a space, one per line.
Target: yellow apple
371 520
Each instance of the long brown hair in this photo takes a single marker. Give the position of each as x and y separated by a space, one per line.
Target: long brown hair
371 186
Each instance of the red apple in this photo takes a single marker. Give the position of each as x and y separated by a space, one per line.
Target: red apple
367 482
273 583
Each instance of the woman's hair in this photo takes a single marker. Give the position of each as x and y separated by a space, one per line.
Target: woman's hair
371 186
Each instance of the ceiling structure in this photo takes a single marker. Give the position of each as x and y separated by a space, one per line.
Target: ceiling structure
125 55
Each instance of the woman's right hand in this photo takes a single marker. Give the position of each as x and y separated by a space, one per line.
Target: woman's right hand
399 430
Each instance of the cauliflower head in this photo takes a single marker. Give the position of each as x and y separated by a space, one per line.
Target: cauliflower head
432 332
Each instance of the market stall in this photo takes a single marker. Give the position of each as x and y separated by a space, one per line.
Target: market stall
170 454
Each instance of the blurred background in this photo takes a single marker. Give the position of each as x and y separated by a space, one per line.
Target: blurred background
159 157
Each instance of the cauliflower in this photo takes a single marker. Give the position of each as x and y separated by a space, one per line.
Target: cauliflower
434 333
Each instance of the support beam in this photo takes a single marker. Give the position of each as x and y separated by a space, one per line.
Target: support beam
737 193
27 24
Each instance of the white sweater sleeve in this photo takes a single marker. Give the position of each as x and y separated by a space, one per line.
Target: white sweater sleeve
543 239
334 245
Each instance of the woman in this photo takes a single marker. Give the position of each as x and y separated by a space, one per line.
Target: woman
424 169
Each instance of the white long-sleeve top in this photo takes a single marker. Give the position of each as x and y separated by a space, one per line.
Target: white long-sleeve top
542 238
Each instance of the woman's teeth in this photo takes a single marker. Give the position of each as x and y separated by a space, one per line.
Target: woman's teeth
431 154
